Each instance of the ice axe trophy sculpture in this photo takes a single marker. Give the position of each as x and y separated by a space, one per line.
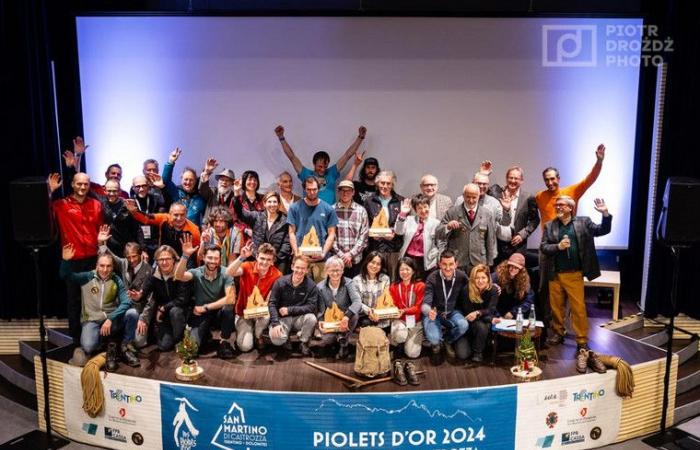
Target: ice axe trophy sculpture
331 319
311 245
380 225
256 306
384 307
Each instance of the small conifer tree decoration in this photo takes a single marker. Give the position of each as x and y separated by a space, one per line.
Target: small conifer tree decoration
526 352
187 348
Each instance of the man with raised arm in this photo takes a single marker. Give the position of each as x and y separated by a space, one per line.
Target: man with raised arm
326 176
261 273
214 296
187 191
171 226
72 160
79 218
221 195
547 198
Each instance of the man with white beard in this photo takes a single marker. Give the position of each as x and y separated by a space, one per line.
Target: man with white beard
222 194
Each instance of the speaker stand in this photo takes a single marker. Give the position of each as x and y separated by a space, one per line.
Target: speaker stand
37 439
668 436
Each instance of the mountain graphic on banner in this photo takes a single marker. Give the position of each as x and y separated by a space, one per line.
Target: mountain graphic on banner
411 404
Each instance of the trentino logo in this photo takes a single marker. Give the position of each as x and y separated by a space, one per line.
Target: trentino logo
122 396
585 395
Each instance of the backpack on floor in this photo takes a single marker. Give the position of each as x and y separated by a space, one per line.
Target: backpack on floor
372 355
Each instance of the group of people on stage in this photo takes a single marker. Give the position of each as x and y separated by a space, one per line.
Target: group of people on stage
142 265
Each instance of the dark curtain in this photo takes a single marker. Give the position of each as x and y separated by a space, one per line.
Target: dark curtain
680 155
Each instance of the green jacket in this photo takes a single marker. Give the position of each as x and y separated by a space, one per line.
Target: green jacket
100 299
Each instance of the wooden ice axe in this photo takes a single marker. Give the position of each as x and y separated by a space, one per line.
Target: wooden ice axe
334 373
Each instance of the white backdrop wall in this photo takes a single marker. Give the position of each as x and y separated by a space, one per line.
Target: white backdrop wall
436 94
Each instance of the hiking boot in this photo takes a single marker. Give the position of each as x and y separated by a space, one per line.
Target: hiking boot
477 357
449 351
554 340
343 353
129 355
582 360
112 357
225 350
410 370
260 343
79 357
435 355
595 363
399 374
305 349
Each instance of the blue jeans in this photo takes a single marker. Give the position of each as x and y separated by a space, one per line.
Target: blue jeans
455 326
90 337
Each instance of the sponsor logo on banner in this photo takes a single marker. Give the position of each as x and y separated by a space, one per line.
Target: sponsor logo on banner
121 396
595 433
586 396
545 442
552 419
572 437
185 437
90 428
137 438
559 398
234 431
114 434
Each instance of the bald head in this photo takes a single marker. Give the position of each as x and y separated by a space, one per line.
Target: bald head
471 195
80 185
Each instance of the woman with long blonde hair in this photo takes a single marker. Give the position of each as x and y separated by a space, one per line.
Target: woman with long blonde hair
478 310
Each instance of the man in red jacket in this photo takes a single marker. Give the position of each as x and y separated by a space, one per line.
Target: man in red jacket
79 218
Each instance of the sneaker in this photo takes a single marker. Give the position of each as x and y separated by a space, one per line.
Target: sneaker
410 370
112 357
399 374
582 360
225 350
554 340
343 353
305 350
477 357
595 363
79 357
449 351
129 355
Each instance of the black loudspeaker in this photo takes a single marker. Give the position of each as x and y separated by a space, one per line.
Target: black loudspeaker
679 222
30 209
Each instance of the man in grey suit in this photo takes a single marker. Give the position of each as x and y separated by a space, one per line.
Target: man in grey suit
469 230
439 203
524 216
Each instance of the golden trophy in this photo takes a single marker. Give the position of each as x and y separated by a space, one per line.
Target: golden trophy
256 306
311 245
384 307
380 225
331 319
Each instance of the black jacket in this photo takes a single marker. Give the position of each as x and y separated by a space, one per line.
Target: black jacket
277 235
123 227
298 300
373 205
585 230
167 293
486 308
434 296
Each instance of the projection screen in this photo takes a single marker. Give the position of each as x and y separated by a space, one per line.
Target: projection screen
437 95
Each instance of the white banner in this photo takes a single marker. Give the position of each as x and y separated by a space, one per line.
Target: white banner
573 413
130 417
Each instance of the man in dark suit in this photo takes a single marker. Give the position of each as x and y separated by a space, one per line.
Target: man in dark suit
469 230
522 208
569 255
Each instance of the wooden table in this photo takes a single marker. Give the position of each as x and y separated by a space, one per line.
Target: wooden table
609 279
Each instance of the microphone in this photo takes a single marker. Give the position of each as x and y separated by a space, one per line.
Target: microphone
568 251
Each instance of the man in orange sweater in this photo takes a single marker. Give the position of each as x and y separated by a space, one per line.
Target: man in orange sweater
545 199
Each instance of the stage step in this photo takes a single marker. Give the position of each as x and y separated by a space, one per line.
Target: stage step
59 336
29 349
18 371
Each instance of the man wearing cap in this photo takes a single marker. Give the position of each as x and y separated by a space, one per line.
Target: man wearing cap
352 229
222 194
439 203
325 175
569 254
366 185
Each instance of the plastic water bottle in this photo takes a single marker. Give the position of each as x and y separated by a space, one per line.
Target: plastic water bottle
531 320
519 322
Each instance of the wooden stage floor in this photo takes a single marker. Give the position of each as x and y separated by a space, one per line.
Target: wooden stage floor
277 370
